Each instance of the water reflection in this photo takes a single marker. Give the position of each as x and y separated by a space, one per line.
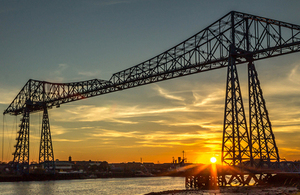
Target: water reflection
125 186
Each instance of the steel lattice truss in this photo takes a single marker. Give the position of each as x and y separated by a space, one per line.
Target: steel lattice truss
261 135
21 153
46 154
207 50
236 37
235 144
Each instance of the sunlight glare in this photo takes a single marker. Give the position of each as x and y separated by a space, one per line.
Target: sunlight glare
213 160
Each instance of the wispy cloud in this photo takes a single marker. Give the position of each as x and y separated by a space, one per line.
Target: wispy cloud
169 144
289 153
89 74
125 113
170 136
117 114
288 85
294 75
112 133
208 100
58 130
58 74
158 138
66 140
164 93
200 123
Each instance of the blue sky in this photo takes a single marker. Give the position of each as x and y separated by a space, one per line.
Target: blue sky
65 41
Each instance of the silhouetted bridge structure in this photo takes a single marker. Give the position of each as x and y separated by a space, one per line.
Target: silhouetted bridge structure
213 176
236 38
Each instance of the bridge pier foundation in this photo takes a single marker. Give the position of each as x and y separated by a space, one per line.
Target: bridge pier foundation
204 181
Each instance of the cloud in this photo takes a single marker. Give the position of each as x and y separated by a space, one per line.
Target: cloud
286 86
294 75
66 140
172 144
116 114
58 130
89 74
170 136
58 74
112 134
208 100
164 93
126 111
151 139
290 151
200 123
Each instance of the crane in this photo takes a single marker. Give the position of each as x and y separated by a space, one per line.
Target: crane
236 38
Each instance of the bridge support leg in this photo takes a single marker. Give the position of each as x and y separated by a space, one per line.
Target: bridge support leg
235 144
263 145
21 154
46 150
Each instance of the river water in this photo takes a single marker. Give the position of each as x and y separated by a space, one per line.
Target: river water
122 186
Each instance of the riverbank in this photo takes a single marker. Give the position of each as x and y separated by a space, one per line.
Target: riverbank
103 186
252 190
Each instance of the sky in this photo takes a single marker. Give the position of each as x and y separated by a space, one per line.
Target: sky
77 40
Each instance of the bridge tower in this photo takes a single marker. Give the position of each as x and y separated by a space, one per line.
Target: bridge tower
258 147
21 154
46 154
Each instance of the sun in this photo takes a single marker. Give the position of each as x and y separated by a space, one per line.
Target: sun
213 160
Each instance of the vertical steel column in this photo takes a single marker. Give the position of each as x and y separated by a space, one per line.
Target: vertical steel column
46 150
264 149
21 154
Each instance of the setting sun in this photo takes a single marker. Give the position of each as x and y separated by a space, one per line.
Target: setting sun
213 160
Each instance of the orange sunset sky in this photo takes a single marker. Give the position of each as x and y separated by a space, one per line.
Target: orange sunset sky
68 41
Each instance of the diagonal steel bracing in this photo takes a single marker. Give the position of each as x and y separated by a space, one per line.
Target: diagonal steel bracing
235 144
46 155
21 154
264 149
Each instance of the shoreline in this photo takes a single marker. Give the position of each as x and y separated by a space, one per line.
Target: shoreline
236 190
68 176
